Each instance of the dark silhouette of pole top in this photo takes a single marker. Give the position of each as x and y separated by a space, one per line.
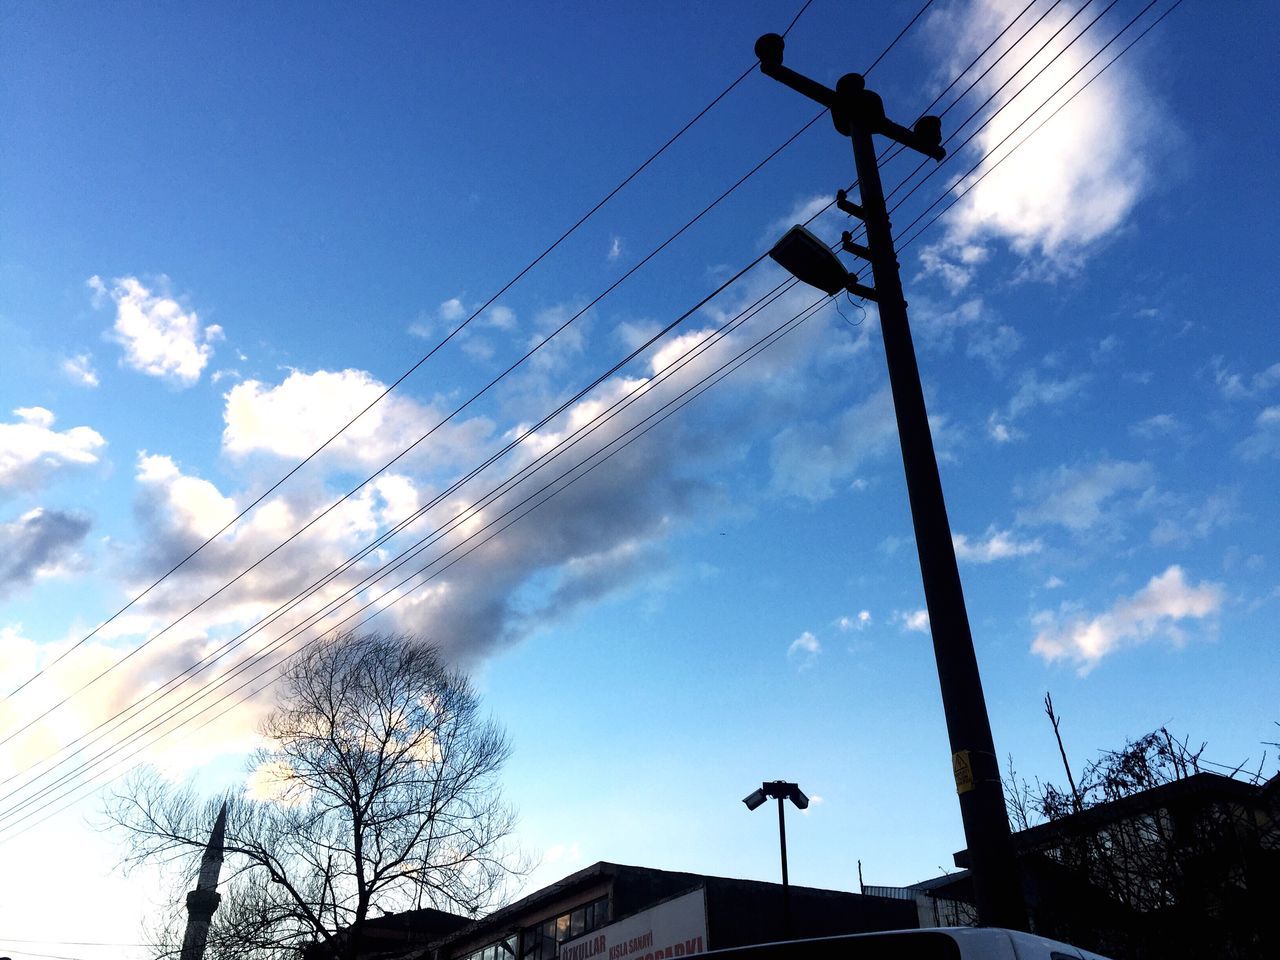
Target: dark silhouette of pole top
777 790
851 103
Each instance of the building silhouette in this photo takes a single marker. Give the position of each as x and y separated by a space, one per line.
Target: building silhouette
204 899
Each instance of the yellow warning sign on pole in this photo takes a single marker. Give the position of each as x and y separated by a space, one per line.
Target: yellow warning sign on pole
963 770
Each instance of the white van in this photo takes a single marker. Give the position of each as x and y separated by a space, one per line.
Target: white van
941 943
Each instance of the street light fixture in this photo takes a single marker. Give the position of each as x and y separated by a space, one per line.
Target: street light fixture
810 261
780 790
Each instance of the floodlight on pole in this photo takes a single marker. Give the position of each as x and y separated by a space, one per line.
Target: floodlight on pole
780 790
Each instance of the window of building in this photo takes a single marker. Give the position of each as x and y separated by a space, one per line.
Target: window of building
542 941
504 949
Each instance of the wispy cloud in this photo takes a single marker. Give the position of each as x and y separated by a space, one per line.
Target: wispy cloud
160 337
993 545
809 460
1080 498
1157 610
1160 426
804 650
451 312
1179 527
1264 441
860 621
1032 391
79 369
1239 386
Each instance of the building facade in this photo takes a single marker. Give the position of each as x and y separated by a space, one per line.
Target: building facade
611 911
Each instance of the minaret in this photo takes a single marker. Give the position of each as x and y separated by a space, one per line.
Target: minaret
204 899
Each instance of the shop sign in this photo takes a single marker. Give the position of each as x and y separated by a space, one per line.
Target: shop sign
677 928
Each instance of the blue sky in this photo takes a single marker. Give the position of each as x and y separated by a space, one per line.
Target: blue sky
226 228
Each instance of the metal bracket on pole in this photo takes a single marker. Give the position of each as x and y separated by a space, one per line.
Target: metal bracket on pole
857 249
843 203
851 103
859 290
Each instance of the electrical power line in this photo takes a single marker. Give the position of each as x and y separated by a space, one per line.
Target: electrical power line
455 412
902 33
127 713
381 539
1034 77
16 827
955 151
412 369
1095 77
120 661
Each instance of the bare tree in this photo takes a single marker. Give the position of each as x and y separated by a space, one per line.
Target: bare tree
378 788
1132 869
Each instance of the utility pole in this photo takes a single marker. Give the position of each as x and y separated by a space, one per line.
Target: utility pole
858 113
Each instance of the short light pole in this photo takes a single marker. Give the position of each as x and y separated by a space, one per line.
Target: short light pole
780 790
858 113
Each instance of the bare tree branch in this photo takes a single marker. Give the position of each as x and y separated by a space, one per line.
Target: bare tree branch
382 783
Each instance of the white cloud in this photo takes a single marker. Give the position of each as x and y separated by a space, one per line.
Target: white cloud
1050 198
34 752
159 336
915 620
804 650
814 801
39 544
1080 498
500 317
192 504
615 247
1154 611
954 264
80 370
451 310
31 451
859 622
1265 440
997 545
294 417
994 344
